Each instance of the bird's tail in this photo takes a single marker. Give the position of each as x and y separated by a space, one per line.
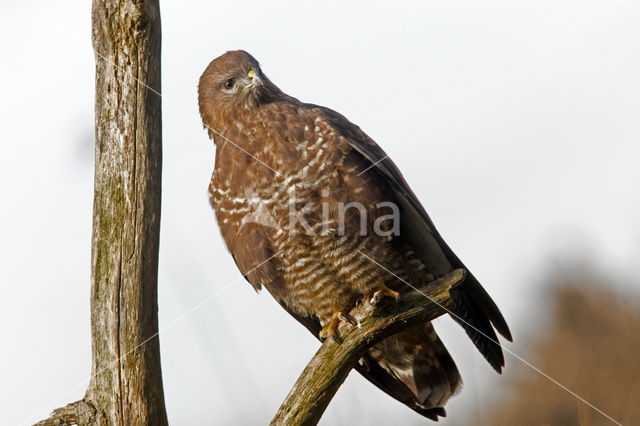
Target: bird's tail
415 368
478 314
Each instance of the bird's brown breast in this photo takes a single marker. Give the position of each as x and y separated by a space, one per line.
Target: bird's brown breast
295 207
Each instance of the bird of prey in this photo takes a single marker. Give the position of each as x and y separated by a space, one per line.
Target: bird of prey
302 220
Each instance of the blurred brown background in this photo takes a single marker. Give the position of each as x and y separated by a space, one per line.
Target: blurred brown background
591 345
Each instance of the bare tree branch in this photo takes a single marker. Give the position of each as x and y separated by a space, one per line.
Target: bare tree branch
126 381
330 366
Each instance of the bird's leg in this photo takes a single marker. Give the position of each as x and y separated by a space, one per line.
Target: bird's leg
381 293
331 328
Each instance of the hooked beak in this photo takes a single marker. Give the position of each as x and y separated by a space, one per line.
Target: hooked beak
254 78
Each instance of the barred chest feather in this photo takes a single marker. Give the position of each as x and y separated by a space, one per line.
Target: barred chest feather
321 263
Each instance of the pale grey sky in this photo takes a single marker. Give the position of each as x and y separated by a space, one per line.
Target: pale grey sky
542 167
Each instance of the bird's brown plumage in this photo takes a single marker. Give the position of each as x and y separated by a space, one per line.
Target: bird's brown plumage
284 171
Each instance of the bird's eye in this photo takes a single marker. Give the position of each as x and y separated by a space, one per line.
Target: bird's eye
229 84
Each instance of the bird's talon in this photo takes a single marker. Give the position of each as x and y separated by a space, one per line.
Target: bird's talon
347 318
330 330
382 293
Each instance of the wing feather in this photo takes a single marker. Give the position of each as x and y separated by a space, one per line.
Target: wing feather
476 311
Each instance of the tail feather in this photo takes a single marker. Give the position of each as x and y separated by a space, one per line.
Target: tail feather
432 413
424 372
488 306
477 314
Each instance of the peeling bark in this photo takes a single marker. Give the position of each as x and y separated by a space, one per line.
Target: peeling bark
126 381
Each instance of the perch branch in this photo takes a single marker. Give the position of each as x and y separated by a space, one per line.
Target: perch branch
331 364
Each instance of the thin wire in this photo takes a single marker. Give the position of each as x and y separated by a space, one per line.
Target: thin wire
497 343
163 329
497 83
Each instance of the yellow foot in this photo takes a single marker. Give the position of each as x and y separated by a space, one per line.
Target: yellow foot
330 330
382 293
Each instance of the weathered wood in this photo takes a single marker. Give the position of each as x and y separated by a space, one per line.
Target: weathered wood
126 381
331 364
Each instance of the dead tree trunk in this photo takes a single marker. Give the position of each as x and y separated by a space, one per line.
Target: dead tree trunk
126 380
331 364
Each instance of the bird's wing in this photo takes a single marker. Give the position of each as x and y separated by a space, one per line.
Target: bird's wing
254 256
475 310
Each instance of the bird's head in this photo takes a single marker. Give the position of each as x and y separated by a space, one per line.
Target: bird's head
232 84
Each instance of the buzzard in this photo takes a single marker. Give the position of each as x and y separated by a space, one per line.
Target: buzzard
302 219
